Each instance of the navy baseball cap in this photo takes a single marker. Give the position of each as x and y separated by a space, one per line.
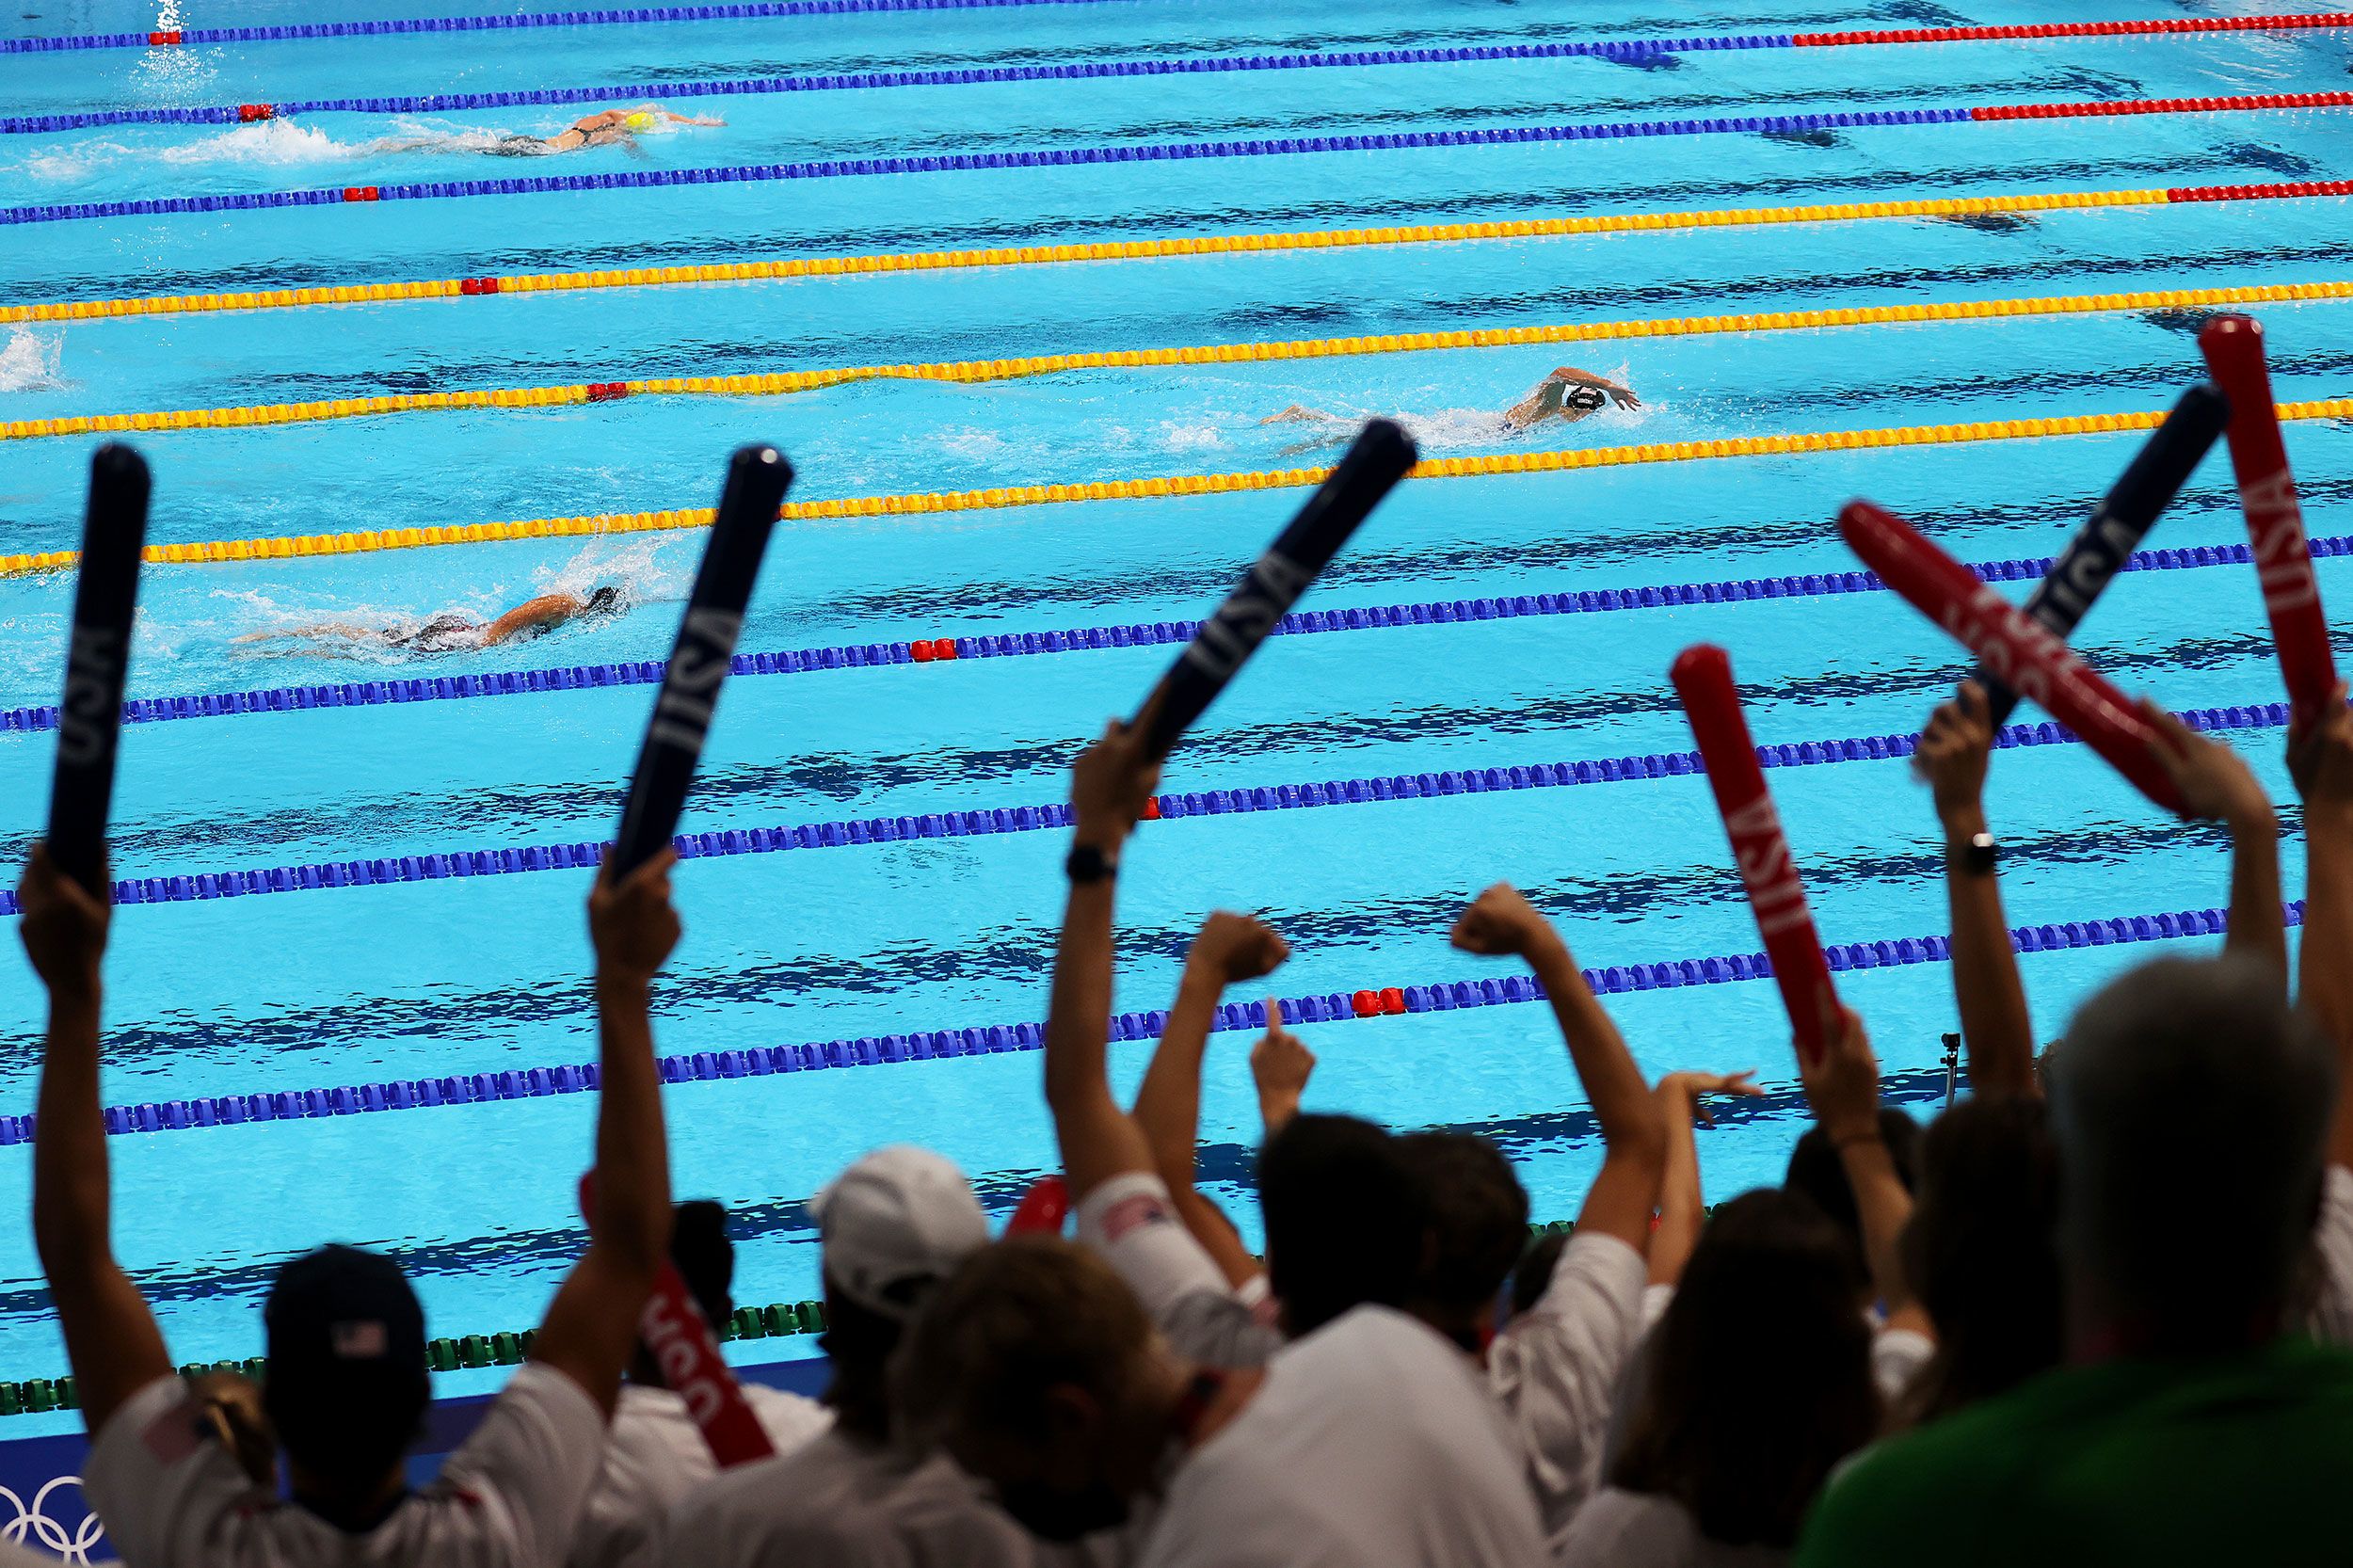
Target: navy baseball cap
347 1381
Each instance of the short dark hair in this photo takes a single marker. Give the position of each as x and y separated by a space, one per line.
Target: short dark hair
1981 1255
1758 1379
1476 1211
1343 1221
1818 1173
2204 1048
1534 1277
345 1387
705 1258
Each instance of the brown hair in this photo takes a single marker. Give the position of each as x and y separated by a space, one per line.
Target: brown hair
1759 1376
1021 1318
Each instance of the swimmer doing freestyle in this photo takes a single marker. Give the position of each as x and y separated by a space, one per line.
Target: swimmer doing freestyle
1567 395
454 631
598 130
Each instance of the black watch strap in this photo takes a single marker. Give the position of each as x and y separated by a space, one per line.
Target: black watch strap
1088 863
1979 858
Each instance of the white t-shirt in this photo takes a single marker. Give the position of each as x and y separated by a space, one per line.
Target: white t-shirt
841 1504
2331 1319
655 1454
1371 1444
1132 1221
1556 1369
511 1496
1632 1529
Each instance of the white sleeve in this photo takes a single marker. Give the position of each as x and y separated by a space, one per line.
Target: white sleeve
2331 1318
1896 1356
1556 1369
160 1482
533 1461
1134 1223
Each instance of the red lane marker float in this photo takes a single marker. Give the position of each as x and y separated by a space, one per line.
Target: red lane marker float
250 112
2164 106
2075 29
160 41
2233 346
673 1328
2017 649
361 193
2259 193
1703 678
605 391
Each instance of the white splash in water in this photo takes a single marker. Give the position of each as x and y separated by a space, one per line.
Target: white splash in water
28 360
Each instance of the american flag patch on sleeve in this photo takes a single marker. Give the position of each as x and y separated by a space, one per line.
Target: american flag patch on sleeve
1132 1213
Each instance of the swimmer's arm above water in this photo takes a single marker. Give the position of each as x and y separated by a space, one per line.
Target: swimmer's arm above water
1546 401
325 629
546 609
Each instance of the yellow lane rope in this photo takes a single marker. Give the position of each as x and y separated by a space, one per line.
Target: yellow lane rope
1108 250
1129 490
781 382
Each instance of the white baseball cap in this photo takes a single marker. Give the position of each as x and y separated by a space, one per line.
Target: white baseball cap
896 1221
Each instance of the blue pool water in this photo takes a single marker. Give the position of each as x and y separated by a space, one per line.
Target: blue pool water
365 985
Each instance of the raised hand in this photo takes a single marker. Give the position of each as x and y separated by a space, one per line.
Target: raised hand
2216 782
1843 1084
1501 922
632 922
1954 752
1232 948
1111 783
1694 1088
2321 757
64 928
1280 1064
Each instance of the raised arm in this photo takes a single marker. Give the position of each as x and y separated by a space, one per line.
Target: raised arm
1682 1100
1843 1086
1622 395
546 609
1108 786
590 1331
2322 761
1280 1065
1229 948
2219 786
1953 754
110 1335
1634 1146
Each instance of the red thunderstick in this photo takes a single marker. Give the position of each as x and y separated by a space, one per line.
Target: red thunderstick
687 1351
1703 678
2233 346
2015 649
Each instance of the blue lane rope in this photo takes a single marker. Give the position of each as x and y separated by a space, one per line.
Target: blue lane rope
442 102
757 10
868 1050
240 882
1014 644
1064 157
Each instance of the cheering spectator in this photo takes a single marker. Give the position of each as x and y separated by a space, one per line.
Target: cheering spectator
655 1453
891 1227
1756 1384
1280 1067
1954 753
346 1384
1476 1214
1556 1365
2190 1430
1371 1443
1682 1100
2321 760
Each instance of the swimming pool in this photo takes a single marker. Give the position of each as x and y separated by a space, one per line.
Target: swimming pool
422 974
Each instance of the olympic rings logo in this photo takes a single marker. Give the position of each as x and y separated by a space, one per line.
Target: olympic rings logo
33 1525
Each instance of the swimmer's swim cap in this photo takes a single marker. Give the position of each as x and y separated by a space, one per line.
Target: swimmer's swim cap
639 121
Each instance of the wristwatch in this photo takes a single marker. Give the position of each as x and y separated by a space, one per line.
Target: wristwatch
1088 863
1979 858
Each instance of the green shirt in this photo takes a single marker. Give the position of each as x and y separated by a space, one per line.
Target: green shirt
2239 1459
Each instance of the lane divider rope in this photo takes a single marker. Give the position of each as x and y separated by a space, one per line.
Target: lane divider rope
1014 644
386 870
1066 157
1611 49
178 38
997 497
1331 1007
1123 250
970 372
